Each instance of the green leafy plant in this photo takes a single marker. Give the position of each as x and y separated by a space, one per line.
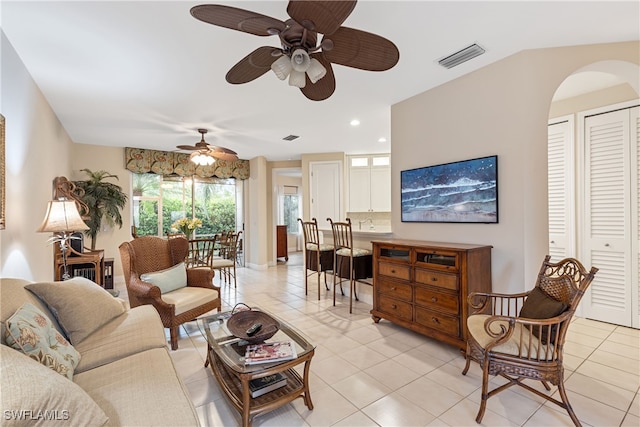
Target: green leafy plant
104 199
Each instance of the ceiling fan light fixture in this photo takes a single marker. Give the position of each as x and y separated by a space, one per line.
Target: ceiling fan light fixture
282 67
316 70
202 159
297 79
300 60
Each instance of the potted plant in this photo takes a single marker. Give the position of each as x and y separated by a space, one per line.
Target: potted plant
104 199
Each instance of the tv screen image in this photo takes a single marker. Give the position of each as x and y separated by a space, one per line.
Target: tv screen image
465 191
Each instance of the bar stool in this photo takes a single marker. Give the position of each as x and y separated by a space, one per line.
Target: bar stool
350 263
317 257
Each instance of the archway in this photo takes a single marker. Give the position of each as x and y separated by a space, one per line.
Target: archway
593 179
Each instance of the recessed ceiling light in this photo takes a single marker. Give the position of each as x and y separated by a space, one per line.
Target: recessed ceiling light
383 139
355 122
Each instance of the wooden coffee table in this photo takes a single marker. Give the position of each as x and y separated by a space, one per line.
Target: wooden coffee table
226 357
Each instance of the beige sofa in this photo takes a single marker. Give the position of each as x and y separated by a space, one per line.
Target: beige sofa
125 375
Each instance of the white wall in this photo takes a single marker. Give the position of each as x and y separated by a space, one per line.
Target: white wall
500 109
37 150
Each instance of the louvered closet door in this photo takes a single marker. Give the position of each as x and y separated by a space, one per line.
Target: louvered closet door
635 215
607 211
560 194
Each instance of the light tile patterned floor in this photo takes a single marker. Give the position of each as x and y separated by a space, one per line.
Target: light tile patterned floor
367 374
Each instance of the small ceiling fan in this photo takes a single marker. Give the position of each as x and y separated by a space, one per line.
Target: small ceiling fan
203 151
303 57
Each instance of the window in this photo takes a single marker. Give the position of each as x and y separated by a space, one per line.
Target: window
158 201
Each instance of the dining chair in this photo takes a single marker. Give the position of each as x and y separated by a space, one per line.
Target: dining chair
521 336
200 252
226 260
349 262
318 257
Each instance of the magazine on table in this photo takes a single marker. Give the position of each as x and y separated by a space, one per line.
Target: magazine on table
270 352
260 386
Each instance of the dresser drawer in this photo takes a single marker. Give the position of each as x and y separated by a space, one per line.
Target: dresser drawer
428 277
394 289
394 270
434 300
443 323
399 309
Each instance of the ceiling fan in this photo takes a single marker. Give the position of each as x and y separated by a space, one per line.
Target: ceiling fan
303 57
205 154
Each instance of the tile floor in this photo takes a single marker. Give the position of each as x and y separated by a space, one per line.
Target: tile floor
367 374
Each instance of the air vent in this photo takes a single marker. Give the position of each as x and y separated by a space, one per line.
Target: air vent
291 137
461 56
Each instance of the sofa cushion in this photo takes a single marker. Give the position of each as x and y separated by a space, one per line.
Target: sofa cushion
80 305
189 297
169 279
31 332
140 390
136 330
35 395
12 296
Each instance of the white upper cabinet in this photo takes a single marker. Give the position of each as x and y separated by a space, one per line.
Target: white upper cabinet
370 183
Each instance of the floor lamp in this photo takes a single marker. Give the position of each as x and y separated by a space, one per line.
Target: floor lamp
62 219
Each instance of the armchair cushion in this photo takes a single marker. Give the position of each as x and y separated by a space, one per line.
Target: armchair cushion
32 333
169 279
518 344
539 305
67 301
189 297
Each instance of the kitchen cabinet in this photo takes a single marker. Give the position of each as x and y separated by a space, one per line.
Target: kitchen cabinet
370 183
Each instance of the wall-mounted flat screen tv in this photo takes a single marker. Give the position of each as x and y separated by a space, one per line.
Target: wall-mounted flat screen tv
465 191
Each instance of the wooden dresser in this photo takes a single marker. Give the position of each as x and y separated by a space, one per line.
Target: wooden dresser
423 286
281 242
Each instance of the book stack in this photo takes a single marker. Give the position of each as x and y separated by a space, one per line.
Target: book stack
270 352
260 386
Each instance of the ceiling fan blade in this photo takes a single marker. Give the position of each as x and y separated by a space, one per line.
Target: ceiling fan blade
237 19
359 49
224 155
326 16
252 66
323 88
187 147
219 149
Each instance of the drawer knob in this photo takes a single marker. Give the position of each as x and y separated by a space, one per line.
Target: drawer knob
393 288
394 306
434 299
435 320
393 271
434 279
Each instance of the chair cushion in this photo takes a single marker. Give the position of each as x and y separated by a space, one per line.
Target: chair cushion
168 280
539 305
189 298
323 247
27 385
32 333
222 263
80 305
356 252
519 344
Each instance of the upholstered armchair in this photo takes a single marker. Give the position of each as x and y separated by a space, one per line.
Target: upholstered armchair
155 273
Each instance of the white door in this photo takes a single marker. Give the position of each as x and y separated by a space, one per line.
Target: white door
608 228
560 188
326 192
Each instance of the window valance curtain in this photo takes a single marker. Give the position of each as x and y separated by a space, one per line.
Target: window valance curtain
139 160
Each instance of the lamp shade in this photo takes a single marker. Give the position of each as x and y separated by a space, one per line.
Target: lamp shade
316 70
300 60
202 159
297 79
282 67
62 215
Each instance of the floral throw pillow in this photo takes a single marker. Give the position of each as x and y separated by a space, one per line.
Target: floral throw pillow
30 331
